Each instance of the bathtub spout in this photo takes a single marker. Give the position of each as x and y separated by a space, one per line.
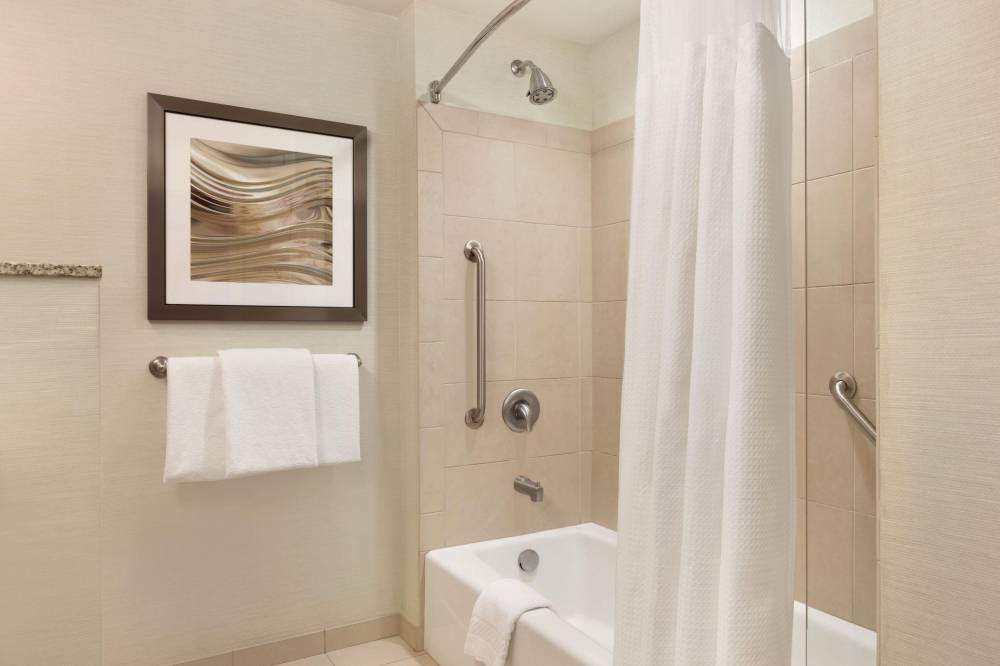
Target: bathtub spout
526 486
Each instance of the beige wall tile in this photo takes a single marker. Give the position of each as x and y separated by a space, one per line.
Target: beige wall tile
610 262
553 186
454 118
609 339
604 490
548 340
430 214
478 177
799 321
865 224
431 469
829 136
429 142
377 653
798 235
459 324
548 267
491 442
585 243
567 138
480 502
865 571
560 505
798 130
431 531
362 632
511 129
830 539
865 113
830 335
612 184
612 134
586 482
800 550
431 286
864 339
829 468
801 454
432 355
607 400
281 651
841 44
797 59
586 339
828 240
865 488
558 428
586 413
500 245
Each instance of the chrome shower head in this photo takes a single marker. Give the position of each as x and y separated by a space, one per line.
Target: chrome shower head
540 88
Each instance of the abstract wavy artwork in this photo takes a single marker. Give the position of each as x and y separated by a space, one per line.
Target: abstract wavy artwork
260 215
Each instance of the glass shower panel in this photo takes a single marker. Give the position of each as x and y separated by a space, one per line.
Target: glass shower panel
834 280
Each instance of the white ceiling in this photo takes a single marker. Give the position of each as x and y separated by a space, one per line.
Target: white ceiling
581 21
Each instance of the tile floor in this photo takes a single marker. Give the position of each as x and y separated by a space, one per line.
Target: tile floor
386 652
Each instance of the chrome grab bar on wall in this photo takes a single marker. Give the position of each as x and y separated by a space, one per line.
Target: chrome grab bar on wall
474 253
842 388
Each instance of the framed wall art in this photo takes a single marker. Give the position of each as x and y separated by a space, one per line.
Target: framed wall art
254 215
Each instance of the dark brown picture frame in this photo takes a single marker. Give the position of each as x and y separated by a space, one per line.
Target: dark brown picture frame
157 306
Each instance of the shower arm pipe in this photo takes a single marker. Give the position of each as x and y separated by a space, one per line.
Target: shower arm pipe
842 388
435 87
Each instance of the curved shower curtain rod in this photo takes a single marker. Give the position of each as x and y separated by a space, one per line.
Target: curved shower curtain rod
435 87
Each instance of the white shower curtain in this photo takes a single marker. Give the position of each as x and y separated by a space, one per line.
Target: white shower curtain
706 515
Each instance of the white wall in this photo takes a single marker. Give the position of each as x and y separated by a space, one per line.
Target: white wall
485 82
198 569
613 64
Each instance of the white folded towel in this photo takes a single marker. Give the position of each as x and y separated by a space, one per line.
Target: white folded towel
270 409
196 430
337 408
494 617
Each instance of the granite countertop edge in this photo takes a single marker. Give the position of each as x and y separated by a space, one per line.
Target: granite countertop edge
49 270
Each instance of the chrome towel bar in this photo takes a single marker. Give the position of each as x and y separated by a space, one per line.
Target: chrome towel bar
842 388
474 252
158 366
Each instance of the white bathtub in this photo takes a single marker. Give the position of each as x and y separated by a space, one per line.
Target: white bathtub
576 573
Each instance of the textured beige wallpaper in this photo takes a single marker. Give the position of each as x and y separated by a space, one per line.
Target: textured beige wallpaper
939 400
198 569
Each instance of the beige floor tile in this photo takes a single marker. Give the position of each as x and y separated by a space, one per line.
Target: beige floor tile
419 660
376 653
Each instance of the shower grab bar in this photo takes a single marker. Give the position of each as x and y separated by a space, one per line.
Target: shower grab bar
435 87
842 388
158 366
474 252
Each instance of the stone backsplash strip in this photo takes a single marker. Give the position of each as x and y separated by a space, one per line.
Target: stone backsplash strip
49 270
